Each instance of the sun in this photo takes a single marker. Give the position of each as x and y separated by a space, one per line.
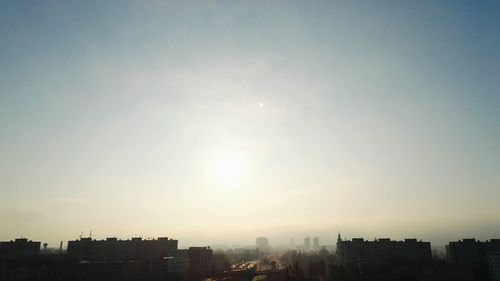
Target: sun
227 169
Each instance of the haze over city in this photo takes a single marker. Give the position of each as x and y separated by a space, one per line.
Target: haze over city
221 121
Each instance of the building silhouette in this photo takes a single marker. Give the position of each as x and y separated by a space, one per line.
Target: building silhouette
480 258
115 249
494 266
262 244
200 260
471 253
316 246
19 248
307 244
359 254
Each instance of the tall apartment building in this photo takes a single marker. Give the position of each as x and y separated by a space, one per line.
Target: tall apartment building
114 249
262 244
307 244
470 254
19 248
316 246
359 253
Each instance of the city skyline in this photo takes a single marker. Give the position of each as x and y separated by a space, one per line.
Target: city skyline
219 122
161 259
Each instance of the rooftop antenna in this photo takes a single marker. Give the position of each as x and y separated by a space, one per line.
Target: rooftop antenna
81 235
90 234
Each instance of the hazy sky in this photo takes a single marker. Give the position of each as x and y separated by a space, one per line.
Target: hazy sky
220 121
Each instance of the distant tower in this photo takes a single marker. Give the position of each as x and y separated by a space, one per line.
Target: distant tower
45 246
262 244
339 252
60 247
307 244
316 244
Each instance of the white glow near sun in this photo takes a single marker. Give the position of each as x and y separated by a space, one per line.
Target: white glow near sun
227 169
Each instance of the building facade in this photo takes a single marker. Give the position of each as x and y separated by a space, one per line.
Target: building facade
471 254
19 248
359 254
316 246
494 266
200 260
307 244
114 249
262 244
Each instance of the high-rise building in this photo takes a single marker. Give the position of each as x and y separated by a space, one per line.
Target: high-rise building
316 246
262 244
307 244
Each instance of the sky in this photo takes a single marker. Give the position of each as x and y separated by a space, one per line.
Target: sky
215 122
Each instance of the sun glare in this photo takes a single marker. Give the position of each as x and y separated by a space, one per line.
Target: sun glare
227 169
